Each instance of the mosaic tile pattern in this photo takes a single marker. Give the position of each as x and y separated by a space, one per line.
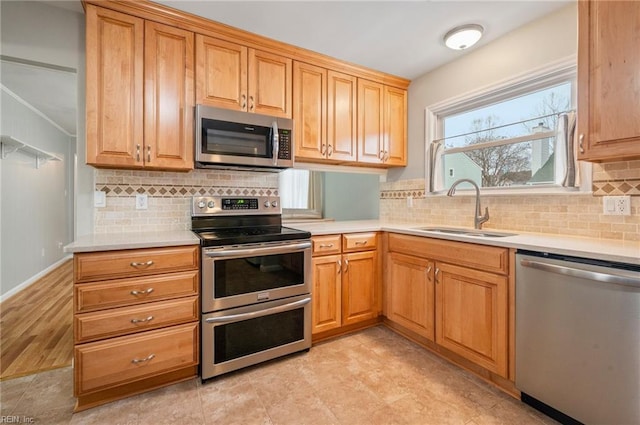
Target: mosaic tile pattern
181 191
616 188
372 377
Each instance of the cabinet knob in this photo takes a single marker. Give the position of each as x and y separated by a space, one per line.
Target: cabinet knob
138 153
436 274
148 153
323 149
251 103
581 143
330 150
339 266
244 102
346 265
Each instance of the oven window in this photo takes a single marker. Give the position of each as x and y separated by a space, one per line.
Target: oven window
224 138
239 339
256 274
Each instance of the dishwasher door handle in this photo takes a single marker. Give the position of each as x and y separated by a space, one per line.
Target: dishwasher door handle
583 274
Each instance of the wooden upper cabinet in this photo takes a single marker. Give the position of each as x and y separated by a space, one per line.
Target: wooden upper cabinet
114 88
270 84
341 116
608 80
382 124
139 90
232 76
221 73
370 122
169 98
310 111
395 126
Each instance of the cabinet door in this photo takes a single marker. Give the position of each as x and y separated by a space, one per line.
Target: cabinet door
341 116
395 127
310 115
471 315
370 122
221 73
359 280
114 88
270 84
411 293
168 119
608 64
327 293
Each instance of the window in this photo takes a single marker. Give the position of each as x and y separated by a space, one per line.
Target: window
301 193
519 134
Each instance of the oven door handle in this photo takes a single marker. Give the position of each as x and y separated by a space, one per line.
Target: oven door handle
260 313
253 252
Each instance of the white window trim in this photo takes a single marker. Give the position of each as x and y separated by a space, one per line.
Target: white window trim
538 78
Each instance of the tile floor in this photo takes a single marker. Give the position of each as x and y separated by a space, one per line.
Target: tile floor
371 377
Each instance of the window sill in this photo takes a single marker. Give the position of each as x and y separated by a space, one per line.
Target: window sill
516 192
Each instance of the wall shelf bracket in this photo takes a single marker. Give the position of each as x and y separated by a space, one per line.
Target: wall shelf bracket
9 145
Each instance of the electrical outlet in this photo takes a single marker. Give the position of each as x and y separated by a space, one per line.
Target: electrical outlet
141 201
616 205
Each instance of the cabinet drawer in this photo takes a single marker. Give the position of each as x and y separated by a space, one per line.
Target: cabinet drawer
138 290
134 262
359 242
325 245
127 320
104 364
482 257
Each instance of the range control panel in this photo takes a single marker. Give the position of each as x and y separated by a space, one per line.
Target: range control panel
235 205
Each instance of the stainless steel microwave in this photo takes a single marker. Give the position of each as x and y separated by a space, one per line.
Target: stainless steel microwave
237 139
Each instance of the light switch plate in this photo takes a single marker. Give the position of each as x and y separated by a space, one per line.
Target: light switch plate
99 199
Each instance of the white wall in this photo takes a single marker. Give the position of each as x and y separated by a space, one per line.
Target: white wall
35 214
546 40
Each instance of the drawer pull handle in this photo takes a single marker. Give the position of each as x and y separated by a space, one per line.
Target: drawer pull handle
339 266
361 242
146 264
346 265
148 319
328 245
144 292
146 359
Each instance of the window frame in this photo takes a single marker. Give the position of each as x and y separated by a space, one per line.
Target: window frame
315 212
540 78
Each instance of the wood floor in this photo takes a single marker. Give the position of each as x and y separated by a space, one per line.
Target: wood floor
36 330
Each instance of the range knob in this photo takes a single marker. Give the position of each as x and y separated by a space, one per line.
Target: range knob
267 204
201 204
274 204
211 204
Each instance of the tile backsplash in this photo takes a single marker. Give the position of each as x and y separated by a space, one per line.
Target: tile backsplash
575 214
169 196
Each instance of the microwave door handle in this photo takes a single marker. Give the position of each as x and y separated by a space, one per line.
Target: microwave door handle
276 142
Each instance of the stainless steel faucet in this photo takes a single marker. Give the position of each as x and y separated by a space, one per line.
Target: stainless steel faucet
478 219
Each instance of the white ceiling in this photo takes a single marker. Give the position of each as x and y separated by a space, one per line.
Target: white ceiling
403 38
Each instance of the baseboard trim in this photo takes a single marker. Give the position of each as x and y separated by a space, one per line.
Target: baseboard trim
13 291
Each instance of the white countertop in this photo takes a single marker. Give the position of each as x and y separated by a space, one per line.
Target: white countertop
602 249
131 240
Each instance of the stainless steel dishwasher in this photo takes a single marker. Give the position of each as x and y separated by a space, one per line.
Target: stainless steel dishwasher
578 338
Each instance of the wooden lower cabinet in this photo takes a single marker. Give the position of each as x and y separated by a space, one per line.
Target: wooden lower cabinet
461 311
359 287
327 293
411 301
136 321
345 284
471 315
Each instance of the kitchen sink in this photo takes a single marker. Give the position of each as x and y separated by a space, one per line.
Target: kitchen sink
466 232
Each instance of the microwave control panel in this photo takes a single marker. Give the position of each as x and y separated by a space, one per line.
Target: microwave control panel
285 144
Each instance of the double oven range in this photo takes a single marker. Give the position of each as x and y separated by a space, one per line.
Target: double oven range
255 283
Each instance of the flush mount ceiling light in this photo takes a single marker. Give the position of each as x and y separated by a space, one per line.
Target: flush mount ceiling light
463 37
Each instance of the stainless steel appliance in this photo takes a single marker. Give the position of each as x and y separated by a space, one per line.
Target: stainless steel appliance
226 138
578 338
255 284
